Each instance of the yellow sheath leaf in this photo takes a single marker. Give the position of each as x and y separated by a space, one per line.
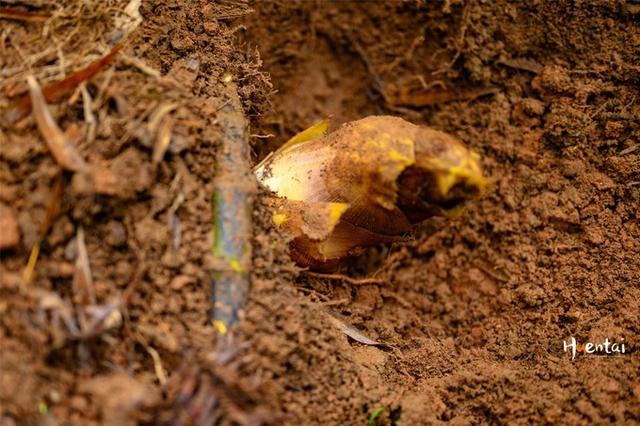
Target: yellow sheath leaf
316 131
365 183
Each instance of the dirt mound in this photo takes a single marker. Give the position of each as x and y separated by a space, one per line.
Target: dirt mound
473 313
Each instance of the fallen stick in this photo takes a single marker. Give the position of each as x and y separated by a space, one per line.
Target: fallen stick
235 187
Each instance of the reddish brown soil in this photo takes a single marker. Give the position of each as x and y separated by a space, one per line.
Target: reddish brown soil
473 312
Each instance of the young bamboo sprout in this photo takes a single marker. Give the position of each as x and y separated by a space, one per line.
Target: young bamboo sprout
365 183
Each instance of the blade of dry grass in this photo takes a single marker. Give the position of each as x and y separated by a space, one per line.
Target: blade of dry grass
89 118
53 210
63 152
83 279
353 332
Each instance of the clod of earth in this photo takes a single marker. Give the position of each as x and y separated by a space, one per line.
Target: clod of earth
9 231
366 183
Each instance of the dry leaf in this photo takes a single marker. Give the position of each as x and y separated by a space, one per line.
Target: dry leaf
63 152
82 278
353 332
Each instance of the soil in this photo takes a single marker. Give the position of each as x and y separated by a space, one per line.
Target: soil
470 316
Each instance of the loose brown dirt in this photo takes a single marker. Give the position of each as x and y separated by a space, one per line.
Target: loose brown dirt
472 313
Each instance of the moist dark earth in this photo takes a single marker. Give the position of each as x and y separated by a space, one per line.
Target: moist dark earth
472 312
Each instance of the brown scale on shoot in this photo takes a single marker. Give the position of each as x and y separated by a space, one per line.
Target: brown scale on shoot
365 183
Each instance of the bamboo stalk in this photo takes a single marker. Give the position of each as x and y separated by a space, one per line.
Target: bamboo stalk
232 201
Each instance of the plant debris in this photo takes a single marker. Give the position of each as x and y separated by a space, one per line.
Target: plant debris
64 153
69 322
346 278
82 278
53 210
22 15
211 392
352 332
55 91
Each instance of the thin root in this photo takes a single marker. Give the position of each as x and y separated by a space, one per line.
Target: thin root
347 279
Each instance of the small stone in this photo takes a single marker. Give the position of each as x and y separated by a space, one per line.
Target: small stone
133 173
9 231
116 234
54 396
636 390
71 250
611 386
178 144
78 403
601 181
170 258
614 129
530 146
19 149
161 336
181 42
563 215
123 269
476 333
531 295
210 12
553 79
10 281
180 281
211 27
594 234
61 231
59 269
157 305
533 107
573 168
185 71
